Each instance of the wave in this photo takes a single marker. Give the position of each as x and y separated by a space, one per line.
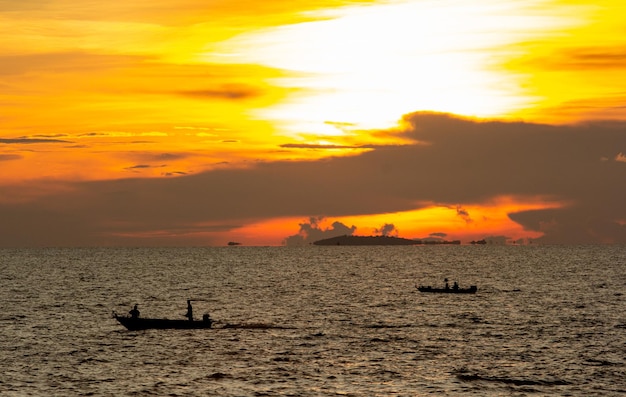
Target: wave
511 381
379 326
600 363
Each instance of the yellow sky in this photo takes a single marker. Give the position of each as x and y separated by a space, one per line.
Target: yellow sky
107 90
235 88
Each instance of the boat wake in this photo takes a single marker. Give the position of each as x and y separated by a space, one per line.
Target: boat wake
254 326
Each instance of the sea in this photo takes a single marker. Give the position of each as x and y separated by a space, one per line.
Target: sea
315 321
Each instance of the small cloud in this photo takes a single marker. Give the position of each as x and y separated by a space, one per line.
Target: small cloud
123 134
340 123
49 136
388 229
10 157
438 235
462 213
590 58
175 173
143 167
169 156
228 91
28 141
145 159
323 146
620 157
185 127
138 166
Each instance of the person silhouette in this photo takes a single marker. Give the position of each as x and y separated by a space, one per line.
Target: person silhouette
189 313
134 313
446 280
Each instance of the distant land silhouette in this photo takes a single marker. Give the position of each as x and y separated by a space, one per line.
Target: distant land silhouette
378 240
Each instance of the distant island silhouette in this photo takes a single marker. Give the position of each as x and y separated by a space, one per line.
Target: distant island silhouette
378 240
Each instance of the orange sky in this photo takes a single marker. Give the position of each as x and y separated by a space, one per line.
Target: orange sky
95 95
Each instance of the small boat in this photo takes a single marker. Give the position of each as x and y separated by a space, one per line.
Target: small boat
471 290
139 323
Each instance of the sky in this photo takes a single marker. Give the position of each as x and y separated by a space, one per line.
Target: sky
198 123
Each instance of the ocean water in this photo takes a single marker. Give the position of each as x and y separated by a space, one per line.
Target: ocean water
316 321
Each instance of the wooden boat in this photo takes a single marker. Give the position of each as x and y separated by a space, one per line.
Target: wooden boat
471 290
139 323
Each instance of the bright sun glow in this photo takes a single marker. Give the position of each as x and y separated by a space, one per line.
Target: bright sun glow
354 67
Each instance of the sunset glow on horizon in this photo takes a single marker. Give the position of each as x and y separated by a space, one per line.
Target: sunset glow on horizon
187 123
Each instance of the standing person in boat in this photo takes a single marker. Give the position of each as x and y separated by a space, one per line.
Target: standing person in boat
134 313
189 314
446 280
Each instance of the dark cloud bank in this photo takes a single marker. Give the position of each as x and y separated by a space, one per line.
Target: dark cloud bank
455 162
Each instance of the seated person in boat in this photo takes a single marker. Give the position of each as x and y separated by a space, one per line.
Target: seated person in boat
134 313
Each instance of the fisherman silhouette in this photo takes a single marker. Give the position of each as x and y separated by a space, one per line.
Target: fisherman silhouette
189 314
134 313
446 280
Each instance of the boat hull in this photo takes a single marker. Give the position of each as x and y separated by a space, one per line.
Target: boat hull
470 290
135 324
